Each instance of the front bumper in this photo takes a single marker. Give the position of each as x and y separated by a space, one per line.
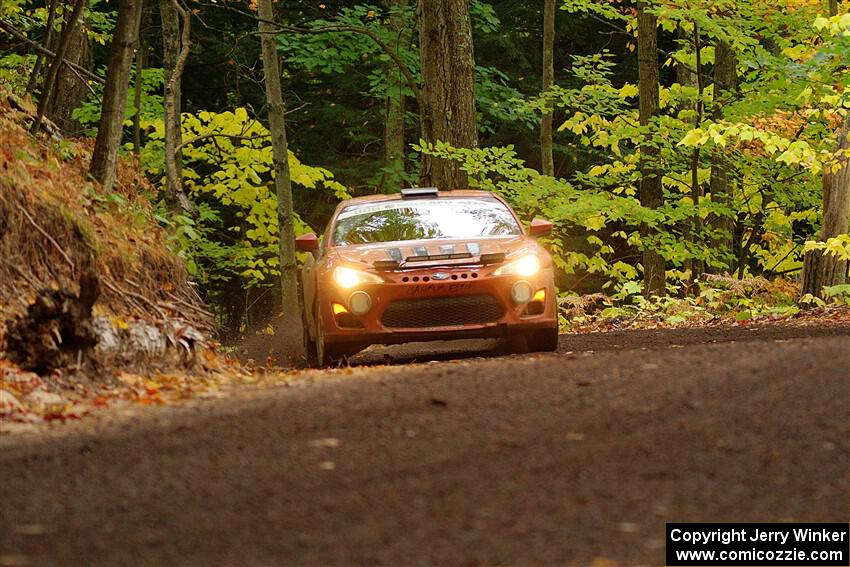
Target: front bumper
501 316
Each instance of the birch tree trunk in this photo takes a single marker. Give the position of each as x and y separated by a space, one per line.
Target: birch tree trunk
448 74
547 164
125 39
651 191
290 326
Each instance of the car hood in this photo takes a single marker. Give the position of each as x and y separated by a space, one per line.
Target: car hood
368 254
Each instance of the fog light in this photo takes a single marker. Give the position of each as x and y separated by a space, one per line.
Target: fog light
521 292
360 303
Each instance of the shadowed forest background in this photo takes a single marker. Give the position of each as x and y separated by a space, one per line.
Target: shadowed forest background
692 154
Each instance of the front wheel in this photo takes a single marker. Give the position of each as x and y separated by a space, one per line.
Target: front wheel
542 340
309 344
323 353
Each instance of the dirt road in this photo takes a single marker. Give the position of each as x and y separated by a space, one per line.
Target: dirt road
526 460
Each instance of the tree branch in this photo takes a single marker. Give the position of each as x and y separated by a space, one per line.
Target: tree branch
405 70
48 237
218 135
622 31
185 35
48 37
79 71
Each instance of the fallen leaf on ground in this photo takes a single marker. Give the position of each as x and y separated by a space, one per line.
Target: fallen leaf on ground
326 443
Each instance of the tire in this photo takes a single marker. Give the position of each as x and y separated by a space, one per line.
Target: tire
321 356
326 355
542 340
309 344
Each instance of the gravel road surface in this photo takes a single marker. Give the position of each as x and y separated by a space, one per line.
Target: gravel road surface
555 459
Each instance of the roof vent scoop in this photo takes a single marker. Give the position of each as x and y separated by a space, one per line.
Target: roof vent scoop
419 193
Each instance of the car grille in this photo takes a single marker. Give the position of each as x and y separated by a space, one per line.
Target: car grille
442 311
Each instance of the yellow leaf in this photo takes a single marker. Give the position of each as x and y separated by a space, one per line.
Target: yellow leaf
594 222
694 138
628 91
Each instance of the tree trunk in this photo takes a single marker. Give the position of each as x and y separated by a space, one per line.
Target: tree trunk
696 264
394 143
50 82
651 191
725 83
70 91
823 270
448 74
56 331
684 74
290 326
48 44
137 93
547 164
175 48
124 42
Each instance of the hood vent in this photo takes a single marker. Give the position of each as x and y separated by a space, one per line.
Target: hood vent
447 252
386 265
395 255
496 258
436 257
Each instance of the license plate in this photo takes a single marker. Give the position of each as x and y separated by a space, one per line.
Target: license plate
419 290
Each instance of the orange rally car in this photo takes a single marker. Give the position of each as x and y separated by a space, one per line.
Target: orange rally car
426 265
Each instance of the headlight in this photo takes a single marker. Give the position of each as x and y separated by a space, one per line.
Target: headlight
349 277
526 266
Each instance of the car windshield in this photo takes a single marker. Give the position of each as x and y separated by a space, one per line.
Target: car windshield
424 219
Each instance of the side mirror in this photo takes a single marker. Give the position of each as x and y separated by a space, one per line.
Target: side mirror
307 242
540 227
